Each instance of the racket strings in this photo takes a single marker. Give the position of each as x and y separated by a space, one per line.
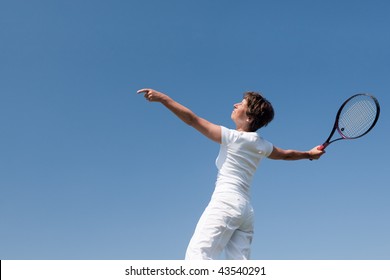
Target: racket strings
357 117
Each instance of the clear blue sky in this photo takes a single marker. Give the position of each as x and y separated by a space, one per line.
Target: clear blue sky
90 170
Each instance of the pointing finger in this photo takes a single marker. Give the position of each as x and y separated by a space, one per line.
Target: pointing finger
143 90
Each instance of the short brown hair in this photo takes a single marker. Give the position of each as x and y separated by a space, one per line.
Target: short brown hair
260 110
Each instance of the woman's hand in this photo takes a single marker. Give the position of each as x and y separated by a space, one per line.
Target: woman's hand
153 95
316 152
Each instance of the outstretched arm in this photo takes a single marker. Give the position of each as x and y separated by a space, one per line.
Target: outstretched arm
205 127
278 153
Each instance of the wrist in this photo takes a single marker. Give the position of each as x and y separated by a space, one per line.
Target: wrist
165 99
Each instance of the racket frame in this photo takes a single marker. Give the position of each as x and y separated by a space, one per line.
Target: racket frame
336 122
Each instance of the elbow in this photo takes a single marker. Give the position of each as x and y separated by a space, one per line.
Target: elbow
191 120
286 155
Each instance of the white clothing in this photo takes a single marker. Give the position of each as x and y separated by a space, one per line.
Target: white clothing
227 222
240 154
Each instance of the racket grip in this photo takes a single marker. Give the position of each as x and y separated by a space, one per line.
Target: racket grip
322 147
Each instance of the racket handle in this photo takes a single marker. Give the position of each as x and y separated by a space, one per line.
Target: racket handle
323 146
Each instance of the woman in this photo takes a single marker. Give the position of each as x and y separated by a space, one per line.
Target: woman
227 222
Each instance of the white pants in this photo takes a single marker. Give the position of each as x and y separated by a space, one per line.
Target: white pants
226 223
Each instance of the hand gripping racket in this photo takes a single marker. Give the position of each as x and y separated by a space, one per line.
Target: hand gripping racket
355 118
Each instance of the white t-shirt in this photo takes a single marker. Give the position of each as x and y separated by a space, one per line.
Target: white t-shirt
240 154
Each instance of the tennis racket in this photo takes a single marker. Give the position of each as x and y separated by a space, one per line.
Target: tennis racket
355 118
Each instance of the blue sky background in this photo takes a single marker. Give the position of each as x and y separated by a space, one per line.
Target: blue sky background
90 170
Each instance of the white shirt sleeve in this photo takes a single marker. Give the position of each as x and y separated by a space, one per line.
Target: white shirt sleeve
228 136
265 147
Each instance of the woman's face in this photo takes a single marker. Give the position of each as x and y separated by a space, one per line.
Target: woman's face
239 112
